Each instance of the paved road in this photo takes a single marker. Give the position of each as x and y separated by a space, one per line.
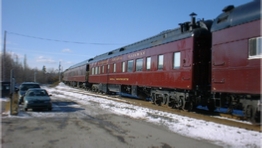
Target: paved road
87 126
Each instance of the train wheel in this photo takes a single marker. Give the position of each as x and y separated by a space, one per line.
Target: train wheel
191 106
179 103
159 101
153 98
256 119
248 112
252 115
162 101
211 105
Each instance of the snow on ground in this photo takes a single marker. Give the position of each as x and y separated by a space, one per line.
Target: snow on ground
223 135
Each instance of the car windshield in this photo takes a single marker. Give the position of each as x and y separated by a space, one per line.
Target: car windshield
27 86
37 93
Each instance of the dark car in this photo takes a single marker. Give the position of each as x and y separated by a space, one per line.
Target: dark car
37 98
5 89
24 87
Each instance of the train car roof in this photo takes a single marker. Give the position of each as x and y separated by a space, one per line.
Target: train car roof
233 16
161 38
78 64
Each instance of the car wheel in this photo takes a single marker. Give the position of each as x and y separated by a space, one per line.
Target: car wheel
26 109
50 108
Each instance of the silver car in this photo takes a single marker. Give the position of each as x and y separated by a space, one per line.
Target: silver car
37 98
24 87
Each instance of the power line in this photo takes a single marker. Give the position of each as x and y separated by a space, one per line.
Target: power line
55 40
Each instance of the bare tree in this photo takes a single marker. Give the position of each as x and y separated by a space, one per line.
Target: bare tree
7 64
22 72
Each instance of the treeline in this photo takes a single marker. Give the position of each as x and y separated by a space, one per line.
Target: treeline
23 73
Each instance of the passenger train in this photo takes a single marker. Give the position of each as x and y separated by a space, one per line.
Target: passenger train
214 63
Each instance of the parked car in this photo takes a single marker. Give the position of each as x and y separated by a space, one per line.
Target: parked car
37 98
5 89
24 87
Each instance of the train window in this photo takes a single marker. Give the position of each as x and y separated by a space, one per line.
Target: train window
255 45
108 68
96 70
99 69
139 64
160 61
103 69
93 70
130 65
177 56
123 66
148 63
114 67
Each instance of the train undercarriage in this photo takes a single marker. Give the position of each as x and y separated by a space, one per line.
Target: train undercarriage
83 85
249 105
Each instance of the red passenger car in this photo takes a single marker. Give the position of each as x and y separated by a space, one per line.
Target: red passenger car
168 67
77 75
236 57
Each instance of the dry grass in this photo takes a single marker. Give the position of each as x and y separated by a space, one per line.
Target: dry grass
54 84
6 106
14 105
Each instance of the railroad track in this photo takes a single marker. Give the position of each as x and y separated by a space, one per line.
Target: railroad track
225 119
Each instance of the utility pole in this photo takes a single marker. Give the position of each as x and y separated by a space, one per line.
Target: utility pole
3 60
12 90
35 75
